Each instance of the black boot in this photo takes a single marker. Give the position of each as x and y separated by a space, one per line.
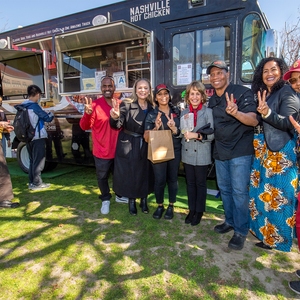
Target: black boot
132 206
189 217
169 213
144 206
159 212
197 218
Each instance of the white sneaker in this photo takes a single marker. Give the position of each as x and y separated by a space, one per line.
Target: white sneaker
105 207
121 199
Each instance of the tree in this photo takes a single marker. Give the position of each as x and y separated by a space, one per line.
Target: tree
290 39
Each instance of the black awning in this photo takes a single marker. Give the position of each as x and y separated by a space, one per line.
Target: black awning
108 33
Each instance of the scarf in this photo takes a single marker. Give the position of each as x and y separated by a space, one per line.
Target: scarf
194 111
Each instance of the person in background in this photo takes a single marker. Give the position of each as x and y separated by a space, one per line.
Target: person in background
234 114
37 146
6 194
165 116
96 117
274 174
5 135
133 175
196 150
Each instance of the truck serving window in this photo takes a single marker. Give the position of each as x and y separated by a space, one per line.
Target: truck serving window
194 51
125 61
253 45
18 73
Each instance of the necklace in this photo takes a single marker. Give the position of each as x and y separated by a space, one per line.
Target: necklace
143 106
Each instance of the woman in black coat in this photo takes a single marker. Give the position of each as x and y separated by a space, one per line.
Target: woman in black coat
133 174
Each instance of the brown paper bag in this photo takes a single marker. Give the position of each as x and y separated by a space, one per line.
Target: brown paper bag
160 146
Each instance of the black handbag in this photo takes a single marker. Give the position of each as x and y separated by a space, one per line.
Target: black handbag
205 131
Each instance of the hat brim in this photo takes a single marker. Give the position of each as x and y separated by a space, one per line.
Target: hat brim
287 75
156 92
210 67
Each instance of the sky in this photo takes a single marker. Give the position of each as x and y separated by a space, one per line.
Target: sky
30 12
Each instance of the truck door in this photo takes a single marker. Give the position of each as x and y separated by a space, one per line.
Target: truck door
193 47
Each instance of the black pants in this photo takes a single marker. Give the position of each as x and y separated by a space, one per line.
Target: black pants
103 169
195 177
166 173
37 152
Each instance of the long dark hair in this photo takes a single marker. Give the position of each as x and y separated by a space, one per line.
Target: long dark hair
258 84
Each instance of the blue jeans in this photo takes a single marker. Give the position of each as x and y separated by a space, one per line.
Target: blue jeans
233 177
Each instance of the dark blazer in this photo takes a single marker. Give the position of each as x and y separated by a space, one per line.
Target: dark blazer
283 102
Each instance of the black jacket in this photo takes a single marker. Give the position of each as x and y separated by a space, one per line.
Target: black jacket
283 103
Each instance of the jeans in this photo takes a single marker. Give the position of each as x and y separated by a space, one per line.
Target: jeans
103 169
37 157
233 177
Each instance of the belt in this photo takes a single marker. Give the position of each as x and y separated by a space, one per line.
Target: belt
258 129
132 133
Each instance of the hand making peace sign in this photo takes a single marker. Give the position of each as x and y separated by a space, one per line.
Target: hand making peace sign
115 111
295 124
158 120
263 107
87 105
231 108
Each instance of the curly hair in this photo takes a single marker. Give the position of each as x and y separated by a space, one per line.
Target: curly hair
258 84
150 96
197 85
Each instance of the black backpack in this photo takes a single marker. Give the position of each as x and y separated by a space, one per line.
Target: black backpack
22 126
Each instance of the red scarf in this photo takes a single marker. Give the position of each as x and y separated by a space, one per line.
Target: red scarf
194 111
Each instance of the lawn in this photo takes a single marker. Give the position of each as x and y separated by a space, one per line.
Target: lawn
57 245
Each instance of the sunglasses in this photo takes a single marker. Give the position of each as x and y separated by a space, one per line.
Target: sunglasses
109 77
293 80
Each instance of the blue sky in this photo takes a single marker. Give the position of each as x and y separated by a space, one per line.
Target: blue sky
29 12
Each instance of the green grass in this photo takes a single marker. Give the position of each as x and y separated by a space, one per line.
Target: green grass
57 245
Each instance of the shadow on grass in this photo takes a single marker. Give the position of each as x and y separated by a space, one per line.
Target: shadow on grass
58 245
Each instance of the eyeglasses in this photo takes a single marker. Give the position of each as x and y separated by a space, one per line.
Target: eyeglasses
109 77
293 80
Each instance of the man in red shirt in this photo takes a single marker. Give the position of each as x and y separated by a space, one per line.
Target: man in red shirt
96 117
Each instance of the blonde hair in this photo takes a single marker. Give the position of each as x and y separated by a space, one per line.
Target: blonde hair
199 86
149 97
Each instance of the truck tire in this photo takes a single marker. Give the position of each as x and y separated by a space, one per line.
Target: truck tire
23 159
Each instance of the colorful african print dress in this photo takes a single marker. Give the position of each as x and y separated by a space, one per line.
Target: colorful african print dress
273 194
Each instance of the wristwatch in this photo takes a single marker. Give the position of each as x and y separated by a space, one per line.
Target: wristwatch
199 135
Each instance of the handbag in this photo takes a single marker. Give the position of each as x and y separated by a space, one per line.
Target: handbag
160 146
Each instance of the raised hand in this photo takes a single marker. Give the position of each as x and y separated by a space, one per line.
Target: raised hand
295 124
171 124
115 111
158 121
87 105
231 107
263 107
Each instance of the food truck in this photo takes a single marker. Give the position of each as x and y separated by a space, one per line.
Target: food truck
166 41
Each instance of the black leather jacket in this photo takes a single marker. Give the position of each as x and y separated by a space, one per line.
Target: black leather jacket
283 103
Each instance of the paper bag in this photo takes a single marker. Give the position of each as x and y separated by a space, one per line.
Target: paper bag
160 146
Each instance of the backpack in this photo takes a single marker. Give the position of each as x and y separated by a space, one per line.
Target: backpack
22 126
